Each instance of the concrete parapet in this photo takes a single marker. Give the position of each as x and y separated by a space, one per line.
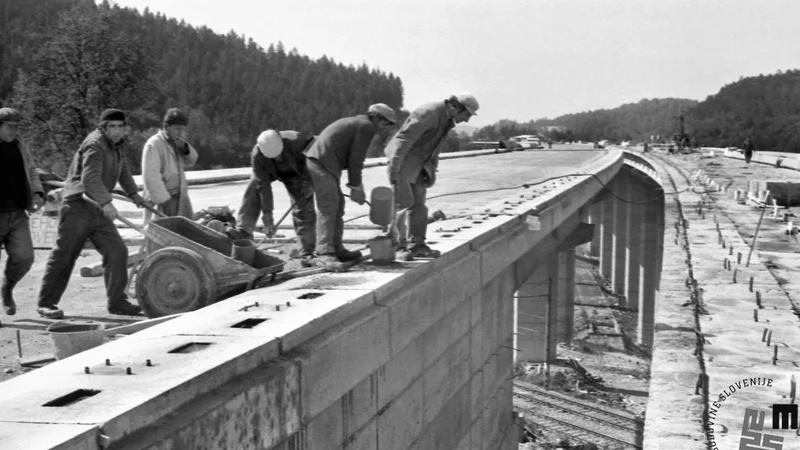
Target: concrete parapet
416 356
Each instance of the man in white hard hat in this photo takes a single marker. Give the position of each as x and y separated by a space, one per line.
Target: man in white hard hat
341 146
413 155
278 156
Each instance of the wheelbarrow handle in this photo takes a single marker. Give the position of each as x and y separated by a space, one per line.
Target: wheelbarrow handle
119 196
127 222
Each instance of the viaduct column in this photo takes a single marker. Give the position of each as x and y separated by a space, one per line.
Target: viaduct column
538 313
621 187
566 291
596 219
606 235
649 266
633 251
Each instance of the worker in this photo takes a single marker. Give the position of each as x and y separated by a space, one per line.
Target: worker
20 191
164 159
413 155
88 213
749 149
279 156
341 145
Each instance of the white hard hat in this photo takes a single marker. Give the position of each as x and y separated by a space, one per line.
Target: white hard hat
270 143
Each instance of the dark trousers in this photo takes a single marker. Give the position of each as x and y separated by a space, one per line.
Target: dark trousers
81 221
411 222
330 208
748 155
301 193
15 236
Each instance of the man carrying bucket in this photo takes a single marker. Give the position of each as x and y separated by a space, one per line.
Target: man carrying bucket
413 155
22 191
279 156
96 168
342 145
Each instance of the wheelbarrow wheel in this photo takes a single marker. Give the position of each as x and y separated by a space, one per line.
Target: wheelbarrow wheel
174 280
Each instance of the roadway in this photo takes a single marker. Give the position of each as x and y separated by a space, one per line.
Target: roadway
85 297
499 171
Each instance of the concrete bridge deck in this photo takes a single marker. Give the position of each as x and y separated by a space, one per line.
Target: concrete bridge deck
420 355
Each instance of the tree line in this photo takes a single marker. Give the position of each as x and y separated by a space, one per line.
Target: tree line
765 108
64 61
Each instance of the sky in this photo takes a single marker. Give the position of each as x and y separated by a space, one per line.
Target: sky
524 59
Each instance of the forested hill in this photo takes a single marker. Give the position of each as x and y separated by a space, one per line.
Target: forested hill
634 121
766 108
59 70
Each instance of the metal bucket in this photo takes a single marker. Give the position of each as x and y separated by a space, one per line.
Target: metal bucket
244 250
72 336
381 250
380 211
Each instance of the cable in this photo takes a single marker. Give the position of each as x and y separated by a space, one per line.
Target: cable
530 184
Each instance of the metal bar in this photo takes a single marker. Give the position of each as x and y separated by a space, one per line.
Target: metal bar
755 237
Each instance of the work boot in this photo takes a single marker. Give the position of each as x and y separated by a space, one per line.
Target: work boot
50 312
423 251
308 259
8 299
401 252
124 308
329 261
346 255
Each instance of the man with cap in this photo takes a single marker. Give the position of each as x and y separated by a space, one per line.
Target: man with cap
164 159
413 156
342 145
88 213
20 191
278 156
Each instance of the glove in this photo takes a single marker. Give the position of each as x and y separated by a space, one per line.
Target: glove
357 195
139 201
182 146
269 226
428 181
38 201
110 211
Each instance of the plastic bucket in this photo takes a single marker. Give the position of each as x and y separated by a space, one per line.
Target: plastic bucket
244 250
70 336
380 211
381 250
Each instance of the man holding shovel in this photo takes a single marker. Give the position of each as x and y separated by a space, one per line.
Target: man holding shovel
413 155
87 213
278 156
342 145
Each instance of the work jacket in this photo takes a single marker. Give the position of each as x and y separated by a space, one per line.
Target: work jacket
416 146
96 168
343 145
163 171
33 185
291 163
